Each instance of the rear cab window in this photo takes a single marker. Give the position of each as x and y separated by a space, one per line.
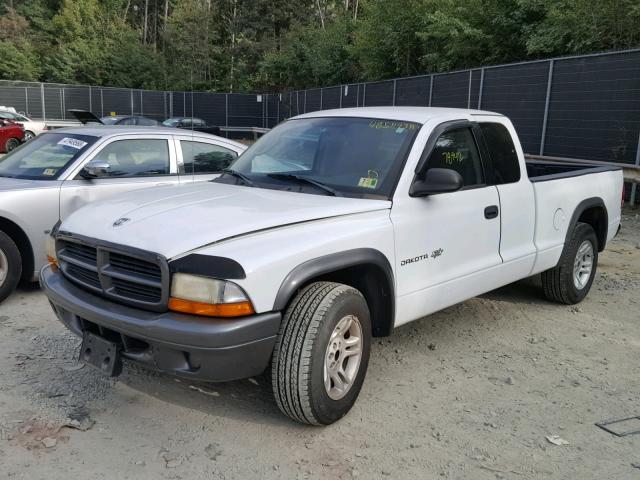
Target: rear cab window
503 163
45 157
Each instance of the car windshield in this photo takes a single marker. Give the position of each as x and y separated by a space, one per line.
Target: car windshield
359 157
44 157
171 122
110 120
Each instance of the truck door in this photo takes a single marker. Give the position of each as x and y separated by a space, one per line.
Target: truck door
446 243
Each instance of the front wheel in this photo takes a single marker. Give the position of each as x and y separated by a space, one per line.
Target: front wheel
570 281
11 144
10 266
322 353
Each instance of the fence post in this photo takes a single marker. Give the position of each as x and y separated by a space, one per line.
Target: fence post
26 101
62 103
44 113
141 103
358 96
634 186
90 100
481 88
341 94
101 103
395 86
305 102
469 90
430 88
131 96
321 99
364 95
226 109
546 107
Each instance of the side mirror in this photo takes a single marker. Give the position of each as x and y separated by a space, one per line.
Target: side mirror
436 180
95 169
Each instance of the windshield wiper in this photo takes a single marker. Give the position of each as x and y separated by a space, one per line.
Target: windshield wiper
241 176
301 179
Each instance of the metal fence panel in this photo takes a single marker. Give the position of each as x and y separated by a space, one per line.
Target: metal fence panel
351 95
595 108
313 99
331 97
210 107
245 110
153 105
379 94
413 91
519 92
451 90
114 100
76 97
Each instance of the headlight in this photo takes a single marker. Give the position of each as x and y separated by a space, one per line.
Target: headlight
208 296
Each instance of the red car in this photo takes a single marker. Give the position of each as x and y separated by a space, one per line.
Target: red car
11 135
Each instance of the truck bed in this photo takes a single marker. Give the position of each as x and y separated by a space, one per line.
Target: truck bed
541 171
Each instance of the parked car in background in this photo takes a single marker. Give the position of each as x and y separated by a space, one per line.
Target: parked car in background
31 127
191 123
60 171
11 135
335 227
129 120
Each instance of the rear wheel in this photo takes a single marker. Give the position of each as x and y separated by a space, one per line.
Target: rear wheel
28 135
322 353
11 144
570 281
10 266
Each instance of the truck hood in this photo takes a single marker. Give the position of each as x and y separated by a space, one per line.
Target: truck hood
176 219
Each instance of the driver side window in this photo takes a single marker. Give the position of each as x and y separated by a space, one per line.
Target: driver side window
135 158
456 150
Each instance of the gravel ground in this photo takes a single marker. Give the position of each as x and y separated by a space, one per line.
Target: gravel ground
470 392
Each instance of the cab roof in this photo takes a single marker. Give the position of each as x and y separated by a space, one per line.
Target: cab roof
408 114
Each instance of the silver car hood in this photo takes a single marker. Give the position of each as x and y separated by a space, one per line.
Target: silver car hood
8 184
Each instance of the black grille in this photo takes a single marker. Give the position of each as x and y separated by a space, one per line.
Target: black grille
134 265
84 275
138 278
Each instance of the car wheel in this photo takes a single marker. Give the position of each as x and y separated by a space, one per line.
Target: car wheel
11 144
10 266
570 281
28 135
322 353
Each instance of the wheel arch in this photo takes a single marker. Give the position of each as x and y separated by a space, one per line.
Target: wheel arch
593 212
21 239
366 269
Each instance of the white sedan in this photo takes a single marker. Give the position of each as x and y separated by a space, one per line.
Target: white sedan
32 128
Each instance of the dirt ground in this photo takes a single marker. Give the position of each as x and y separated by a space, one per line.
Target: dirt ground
471 392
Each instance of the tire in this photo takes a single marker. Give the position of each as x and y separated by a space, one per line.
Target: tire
10 266
298 364
559 283
11 144
28 135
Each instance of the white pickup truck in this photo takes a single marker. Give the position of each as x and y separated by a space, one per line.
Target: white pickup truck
335 227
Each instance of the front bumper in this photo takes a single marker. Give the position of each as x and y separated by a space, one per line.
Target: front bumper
199 348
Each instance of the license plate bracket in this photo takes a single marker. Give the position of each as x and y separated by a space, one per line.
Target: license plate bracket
100 353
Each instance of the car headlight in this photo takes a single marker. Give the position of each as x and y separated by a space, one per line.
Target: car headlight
208 296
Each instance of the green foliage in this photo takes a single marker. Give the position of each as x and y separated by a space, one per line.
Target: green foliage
271 45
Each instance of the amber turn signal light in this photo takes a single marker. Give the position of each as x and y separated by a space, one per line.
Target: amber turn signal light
239 309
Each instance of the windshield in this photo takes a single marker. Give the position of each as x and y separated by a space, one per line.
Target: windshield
171 122
110 120
353 156
44 157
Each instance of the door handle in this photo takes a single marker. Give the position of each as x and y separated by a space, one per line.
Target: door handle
491 212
